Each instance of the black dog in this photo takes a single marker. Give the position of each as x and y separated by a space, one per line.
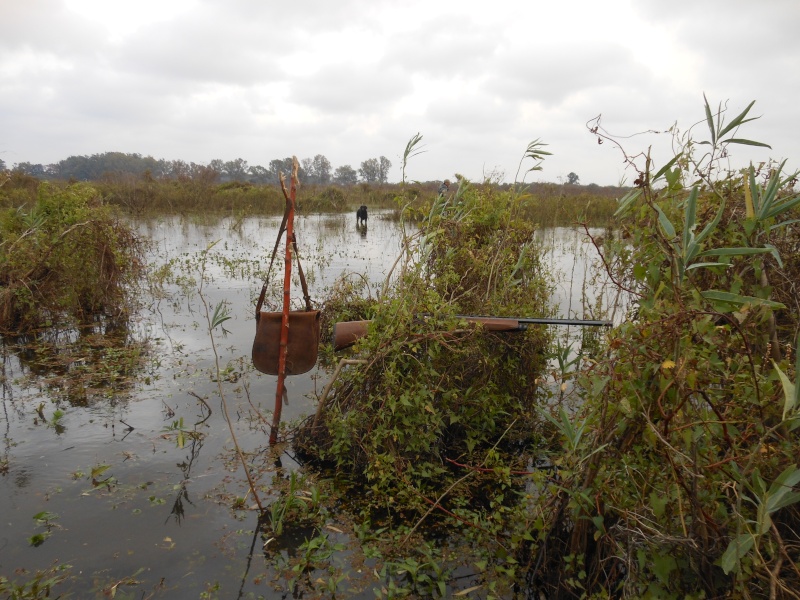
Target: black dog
361 215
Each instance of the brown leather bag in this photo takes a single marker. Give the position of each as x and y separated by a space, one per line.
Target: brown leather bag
304 325
302 348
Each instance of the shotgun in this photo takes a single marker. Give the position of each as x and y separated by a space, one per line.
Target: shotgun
347 333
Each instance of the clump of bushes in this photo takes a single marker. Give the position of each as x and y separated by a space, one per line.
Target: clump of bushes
437 392
669 470
65 260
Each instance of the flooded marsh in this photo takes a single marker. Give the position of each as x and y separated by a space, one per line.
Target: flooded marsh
118 461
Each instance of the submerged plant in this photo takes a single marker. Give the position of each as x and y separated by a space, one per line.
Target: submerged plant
40 585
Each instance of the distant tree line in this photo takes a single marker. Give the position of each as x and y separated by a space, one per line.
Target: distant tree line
317 170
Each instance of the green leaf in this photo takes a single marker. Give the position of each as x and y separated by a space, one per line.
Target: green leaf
666 224
755 190
744 251
689 221
710 121
780 492
745 142
706 264
666 167
739 546
797 370
782 207
221 314
738 299
785 223
658 502
45 516
38 539
663 566
627 200
713 225
739 120
99 470
785 500
789 392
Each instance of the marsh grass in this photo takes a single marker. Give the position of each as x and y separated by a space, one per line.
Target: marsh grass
546 204
552 205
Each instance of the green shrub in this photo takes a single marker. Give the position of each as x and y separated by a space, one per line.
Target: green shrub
685 485
436 389
65 260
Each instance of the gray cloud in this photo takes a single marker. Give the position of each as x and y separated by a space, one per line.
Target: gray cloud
341 89
354 80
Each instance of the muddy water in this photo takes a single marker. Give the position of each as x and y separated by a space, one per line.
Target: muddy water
131 510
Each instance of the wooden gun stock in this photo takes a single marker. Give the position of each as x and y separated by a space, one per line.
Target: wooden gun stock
347 333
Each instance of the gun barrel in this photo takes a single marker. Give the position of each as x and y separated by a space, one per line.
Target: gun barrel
544 321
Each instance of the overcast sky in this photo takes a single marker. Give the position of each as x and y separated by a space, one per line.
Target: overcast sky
355 79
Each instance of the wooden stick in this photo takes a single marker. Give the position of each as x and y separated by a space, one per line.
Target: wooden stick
287 282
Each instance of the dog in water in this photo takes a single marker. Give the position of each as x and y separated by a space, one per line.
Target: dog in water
361 215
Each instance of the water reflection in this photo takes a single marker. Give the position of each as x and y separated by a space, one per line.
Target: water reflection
582 289
178 510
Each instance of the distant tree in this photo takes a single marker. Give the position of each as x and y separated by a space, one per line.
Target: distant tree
307 164
218 166
321 167
345 175
236 170
276 167
34 170
76 167
158 167
203 174
572 178
370 170
384 164
2 165
178 169
163 168
259 174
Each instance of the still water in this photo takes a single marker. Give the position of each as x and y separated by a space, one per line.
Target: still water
132 510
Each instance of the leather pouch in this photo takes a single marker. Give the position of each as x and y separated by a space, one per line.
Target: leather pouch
302 347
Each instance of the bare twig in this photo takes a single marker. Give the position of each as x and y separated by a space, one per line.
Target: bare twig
323 399
608 267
